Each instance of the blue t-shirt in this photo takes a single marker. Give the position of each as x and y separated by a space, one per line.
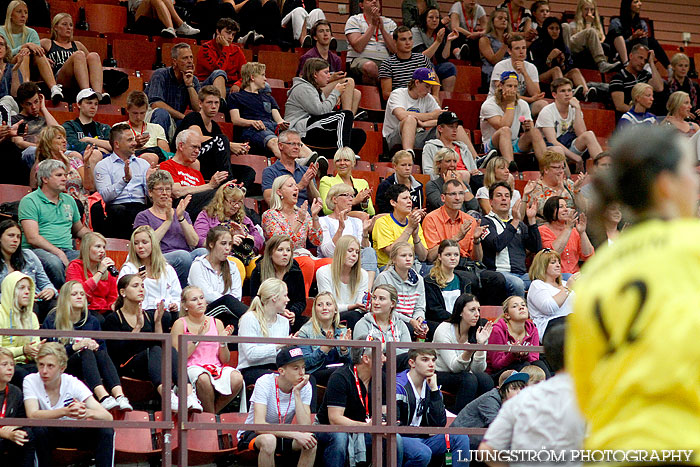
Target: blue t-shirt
253 106
277 169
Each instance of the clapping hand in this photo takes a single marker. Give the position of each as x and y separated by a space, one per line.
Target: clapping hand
316 207
228 330
484 332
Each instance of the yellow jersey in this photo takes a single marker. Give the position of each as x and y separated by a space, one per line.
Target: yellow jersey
633 341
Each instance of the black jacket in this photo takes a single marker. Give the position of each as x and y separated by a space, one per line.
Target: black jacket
434 415
435 302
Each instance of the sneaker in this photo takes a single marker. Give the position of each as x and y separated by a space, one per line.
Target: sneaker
307 42
247 39
322 166
361 116
513 167
174 401
193 404
105 98
607 67
258 39
124 404
168 32
186 30
489 155
591 95
413 153
463 53
56 93
578 92
109 402
334 44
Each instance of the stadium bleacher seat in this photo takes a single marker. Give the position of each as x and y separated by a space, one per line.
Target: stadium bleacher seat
133 445
118 250
10 193
467 111
95 44
206 446
468 79
64 6
257 163
138 55
106 18
280 65
600 121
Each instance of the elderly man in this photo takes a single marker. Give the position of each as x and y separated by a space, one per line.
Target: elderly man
187 179
50 218
120 178
173 89
290 146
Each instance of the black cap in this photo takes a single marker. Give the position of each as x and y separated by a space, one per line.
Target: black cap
447 118
288 355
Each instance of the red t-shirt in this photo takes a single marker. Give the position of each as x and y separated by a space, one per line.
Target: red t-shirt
185 176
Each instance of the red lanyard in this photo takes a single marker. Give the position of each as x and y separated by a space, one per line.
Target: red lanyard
376 31
517 22
4 403
467 20
143 127
279 410
391 326
365 402
447 441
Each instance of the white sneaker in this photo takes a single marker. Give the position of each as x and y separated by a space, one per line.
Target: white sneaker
247 39
56 93
109 402
193 403
258 39
168 32
186 30
124 404
174 401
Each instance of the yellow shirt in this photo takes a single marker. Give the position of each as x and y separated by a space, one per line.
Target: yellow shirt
633 343
385 232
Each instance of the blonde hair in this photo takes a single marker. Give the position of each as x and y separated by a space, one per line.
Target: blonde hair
227 191
8 23
276 199
440 156
395 251
25 312
506 304
249 70
549 158
498 95
339 256
44 147
314 319
57 19
497 162
489 25
538 268
158 263
402 154
63 310
8 51
536 374
581 25
55 349
638 90
345 153
86 243
7 353
677 58
335 190
675 101
183 295
269 289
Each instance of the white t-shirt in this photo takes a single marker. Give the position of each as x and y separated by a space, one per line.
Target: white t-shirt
375 48
71 388
265 392
491 109
259 354
416 418
399 98
166 288
353 226
324 280
507 65
478 13
543 308
483 193
550 117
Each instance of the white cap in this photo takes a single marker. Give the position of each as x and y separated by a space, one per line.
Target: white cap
85 94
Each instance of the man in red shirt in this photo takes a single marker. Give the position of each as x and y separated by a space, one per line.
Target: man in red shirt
221 53
188 180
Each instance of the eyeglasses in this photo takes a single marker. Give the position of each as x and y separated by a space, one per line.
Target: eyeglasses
294 145
162 189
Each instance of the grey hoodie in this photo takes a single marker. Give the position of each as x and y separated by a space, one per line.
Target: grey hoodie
367 326
303 101
411 293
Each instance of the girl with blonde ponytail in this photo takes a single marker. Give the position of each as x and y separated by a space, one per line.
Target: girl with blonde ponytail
264 318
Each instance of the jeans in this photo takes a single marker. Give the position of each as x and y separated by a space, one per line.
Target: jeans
368 258
161 117
181 260
335 448
53 266
517 283
419 451
101 439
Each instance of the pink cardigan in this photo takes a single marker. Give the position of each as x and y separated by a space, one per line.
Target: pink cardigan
496 361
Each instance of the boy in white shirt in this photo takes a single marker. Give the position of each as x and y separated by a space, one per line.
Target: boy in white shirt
52 394
563 126
290 391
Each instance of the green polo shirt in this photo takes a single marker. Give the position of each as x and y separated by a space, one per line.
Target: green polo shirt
55 219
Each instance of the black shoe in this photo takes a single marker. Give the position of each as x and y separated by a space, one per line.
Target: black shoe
361 116
513 167
591 95
322 166
485 160
578 92
105 99
334 44
307 42
463 52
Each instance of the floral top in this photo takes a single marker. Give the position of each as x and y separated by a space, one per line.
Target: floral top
275 223
543 192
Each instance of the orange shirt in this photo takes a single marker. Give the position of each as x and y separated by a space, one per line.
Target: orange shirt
437 226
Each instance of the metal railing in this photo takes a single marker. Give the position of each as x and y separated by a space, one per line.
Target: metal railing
377 429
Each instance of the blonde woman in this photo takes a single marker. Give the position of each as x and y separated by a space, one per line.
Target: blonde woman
679 111
680 81
642 100
215 383
587 34
496 171
446 160
70 60
87 358
97 273
324 324
16 305
345 160
263 319
24 42
549 297
160 280
493 44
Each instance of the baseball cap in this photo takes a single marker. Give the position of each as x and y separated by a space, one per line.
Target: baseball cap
426 75
288 355
517 376
86 94
508 74
447 118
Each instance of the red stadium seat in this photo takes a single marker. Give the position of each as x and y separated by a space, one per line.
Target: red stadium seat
371 99
118 250
134 444
491 312
468 79
257 163
139 55
206 446
601 122
372 178
10 193
105 18
373 148
467 111
65 6
281 65
95 44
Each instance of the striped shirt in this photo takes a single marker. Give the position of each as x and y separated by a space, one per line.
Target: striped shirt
400 71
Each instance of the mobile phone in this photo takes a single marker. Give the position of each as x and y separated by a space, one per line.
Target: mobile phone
21 128
142 268
146 134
